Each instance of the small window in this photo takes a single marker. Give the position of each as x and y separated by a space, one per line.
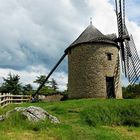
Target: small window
109 56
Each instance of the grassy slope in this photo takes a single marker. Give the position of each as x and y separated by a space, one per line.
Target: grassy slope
73 126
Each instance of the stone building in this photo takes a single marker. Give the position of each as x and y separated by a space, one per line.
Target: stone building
94 66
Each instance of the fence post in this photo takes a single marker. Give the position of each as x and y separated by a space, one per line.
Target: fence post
22 99
0 99
3 99
6 98
10 98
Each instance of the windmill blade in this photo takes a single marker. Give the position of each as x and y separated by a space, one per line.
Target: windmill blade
126 60
133 61
47 77
120 13
127 52
123 53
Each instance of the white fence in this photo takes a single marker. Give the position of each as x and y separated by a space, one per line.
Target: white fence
7 98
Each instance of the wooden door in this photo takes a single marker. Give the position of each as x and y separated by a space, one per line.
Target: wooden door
110 87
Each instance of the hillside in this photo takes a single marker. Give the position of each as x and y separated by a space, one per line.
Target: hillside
84 119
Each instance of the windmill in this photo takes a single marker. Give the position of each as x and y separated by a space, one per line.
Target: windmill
129 57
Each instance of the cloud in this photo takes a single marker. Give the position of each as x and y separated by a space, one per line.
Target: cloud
132 11
24 41
35 33
28 76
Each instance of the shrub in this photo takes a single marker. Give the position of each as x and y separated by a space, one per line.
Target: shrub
131 121
130 115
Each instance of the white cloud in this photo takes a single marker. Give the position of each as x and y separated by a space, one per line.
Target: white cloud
27 77
34 33
134 29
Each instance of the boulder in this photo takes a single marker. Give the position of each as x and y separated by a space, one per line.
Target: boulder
2 117
32 113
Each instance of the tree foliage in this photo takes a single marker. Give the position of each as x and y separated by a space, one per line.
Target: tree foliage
50 87
27 89
46 90
40 79
54 84
131 91
11 84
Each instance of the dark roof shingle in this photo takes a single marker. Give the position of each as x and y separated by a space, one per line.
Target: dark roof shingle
92 34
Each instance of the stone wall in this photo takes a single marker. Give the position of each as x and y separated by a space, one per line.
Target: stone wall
51 98
88 68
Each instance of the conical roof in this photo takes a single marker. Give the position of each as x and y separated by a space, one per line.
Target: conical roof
92 34
88 34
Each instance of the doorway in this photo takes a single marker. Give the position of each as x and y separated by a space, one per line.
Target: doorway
110 87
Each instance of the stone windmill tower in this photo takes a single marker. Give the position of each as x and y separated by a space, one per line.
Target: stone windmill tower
93 66
93 61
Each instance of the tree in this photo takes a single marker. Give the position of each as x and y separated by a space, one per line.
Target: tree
40 79
45 90
49 87
131 91
11 84
53 84
27 89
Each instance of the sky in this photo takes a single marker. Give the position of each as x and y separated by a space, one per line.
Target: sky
35 33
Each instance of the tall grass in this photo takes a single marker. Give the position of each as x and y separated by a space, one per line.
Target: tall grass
76 117
17 122
112 114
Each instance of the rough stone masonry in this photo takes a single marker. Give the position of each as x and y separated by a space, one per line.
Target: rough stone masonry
89 65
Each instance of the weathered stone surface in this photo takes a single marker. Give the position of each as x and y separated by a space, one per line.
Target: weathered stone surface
88 68
2 117
20 109
53 119
32 113
35 113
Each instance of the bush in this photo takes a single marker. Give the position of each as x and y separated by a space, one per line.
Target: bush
130 115
131 121
65 97
131 91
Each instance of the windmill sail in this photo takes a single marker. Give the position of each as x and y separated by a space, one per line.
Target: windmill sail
121 33
129 54
133 61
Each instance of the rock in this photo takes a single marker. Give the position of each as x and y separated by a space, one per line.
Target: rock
32 113
20 109
53 119
35 113
2 117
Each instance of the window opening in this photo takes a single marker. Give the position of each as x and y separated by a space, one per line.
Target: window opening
109 56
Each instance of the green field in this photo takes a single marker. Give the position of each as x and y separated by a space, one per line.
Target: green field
86 119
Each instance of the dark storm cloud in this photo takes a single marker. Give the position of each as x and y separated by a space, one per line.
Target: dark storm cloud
32 33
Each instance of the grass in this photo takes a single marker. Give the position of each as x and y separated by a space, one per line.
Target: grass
85 119
126 114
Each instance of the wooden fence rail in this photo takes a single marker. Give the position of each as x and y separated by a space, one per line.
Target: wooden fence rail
7 98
